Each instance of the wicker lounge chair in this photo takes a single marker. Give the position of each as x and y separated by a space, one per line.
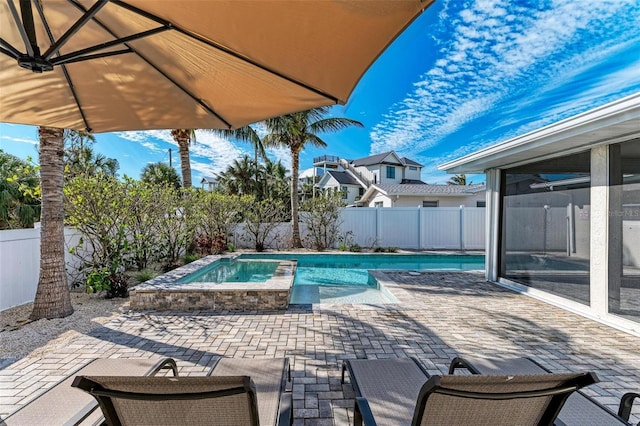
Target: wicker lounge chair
579 410
400 392
63 404
222 398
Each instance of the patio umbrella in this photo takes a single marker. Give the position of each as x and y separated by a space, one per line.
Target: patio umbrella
111 65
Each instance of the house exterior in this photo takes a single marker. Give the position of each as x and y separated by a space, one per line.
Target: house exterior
209 183
563 212
334 181
388 180
424 195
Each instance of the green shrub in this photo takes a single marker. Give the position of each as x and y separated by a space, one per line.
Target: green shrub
144 275
355 248
190 257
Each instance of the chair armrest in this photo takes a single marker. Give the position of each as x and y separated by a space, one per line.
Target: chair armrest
626 404
165 364
459 362
285 407
362 413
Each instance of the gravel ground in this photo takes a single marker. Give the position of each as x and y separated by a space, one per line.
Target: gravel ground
20 337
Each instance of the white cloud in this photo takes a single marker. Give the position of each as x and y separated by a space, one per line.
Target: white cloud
493 50
19 140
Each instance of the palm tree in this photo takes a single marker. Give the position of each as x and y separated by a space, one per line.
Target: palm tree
80 159
295 131
246 134
238 178
183 138
460 179
19 185
160 174
52 296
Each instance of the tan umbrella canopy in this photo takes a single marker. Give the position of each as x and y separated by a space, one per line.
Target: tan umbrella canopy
151 64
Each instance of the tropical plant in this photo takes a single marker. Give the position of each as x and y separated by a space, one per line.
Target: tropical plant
19 192
460 179
250 135
217 214
238 178
52 298
184 138
321 215
80 158
160 174
295 131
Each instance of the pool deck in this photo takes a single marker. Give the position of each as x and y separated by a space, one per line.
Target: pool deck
440 315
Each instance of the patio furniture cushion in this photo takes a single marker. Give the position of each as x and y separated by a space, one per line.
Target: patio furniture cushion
579 409
454 400
63 404
272 379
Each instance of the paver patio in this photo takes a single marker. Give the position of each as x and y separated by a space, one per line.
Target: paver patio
441 315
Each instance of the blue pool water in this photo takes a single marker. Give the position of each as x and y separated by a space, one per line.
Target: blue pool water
229 271
344 278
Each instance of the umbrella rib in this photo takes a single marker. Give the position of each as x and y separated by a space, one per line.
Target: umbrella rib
183 89
88 15
21 28
79 54
224 49
64 69
9 50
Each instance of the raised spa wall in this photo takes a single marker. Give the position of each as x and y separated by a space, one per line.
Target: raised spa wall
164 293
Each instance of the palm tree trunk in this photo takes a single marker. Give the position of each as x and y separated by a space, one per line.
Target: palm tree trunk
295 228
52 296
185 164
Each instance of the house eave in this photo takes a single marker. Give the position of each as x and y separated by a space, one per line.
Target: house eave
611 123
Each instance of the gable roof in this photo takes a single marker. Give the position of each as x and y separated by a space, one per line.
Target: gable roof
379 158
426 189
209 179
408 162
343 178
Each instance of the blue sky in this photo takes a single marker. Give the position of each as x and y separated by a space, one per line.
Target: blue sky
465 75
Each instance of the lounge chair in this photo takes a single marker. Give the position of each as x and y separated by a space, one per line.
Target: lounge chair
400 392
225 397
579 410
63 404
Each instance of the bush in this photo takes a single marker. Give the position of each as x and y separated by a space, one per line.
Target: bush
322 217
144 275
190 257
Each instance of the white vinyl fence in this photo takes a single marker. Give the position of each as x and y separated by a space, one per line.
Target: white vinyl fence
20 264
449 228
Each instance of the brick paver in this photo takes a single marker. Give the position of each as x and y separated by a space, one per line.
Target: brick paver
441 315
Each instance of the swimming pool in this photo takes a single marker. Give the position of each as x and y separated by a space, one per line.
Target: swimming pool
345 278
232 271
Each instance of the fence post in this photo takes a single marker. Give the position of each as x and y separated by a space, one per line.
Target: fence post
461 228
420 239
379 226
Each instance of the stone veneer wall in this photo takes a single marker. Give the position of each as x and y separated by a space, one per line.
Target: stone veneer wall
164 293
208 300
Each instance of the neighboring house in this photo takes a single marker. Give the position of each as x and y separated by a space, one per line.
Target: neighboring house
209 183
424 195
563 212
388 180
346 183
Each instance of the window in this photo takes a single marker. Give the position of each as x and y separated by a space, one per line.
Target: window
481 204
345 192
624 230
361 191
413 168
545 230
378 204
391 172
430 203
